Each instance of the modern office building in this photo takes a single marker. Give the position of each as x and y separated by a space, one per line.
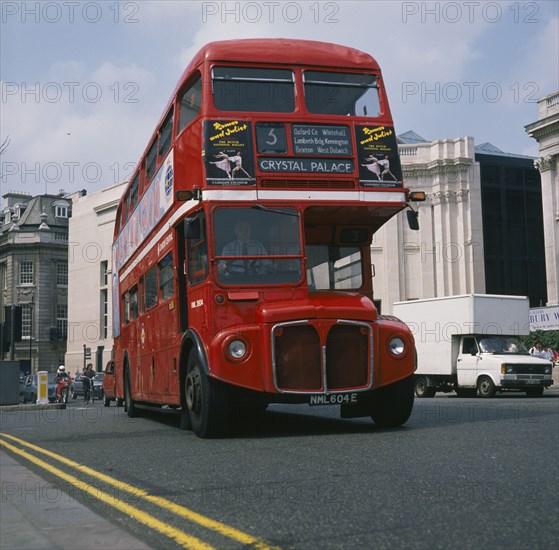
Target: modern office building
89 295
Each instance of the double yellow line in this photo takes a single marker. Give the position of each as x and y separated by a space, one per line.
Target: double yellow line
180 537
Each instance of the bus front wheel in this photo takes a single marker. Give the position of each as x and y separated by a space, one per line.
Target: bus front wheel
207 400
392 405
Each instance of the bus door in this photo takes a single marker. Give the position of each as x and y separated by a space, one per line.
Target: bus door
193 270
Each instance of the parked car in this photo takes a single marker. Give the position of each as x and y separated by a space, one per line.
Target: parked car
109 386
76 390
28 388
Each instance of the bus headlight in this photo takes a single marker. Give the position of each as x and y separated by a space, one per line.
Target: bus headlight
396 346
237 349
547 370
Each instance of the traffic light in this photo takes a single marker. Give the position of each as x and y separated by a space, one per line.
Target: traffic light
7 325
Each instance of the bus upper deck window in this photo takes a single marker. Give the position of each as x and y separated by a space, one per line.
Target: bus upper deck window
252 89
348 94
190 104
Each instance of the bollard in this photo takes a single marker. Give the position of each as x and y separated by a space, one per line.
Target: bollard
42 387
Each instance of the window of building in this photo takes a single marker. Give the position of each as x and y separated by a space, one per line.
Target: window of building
62 274
104 273
166 285
26 320
104 314
61 211
26 272
190 104
150 282
62 321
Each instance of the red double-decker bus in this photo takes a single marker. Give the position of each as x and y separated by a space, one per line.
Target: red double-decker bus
241 259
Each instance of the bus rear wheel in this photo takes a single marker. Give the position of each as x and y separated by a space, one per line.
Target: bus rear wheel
129 405
391 406
207 400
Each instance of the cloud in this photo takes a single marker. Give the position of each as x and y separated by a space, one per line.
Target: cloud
78 129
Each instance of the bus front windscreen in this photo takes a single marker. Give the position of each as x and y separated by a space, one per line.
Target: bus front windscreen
257 245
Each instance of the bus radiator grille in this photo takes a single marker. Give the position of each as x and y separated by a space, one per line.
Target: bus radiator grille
298 363
347 357
298 358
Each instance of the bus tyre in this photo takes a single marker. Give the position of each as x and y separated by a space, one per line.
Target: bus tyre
207 401
119 401
534 392
129 405
391 406
485 387
422 388
106 402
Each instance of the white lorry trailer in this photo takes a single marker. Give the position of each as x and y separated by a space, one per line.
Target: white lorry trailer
469 344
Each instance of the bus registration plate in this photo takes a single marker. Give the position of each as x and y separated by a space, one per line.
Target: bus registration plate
333 399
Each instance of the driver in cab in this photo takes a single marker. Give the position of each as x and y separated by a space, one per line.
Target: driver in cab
244 249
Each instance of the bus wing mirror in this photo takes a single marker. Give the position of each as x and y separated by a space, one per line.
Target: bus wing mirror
413 221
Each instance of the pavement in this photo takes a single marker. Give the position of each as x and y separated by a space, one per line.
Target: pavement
36 514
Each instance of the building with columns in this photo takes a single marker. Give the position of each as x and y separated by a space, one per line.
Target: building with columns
481 228
546 131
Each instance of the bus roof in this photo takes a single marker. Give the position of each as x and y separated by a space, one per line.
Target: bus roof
284 51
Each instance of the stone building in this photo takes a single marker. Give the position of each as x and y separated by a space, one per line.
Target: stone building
90 311
546 131
34 275
481 228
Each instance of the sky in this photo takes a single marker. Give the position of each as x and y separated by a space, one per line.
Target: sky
84 83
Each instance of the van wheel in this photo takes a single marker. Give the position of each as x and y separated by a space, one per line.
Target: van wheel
207 401
534 392
422 388
391 406
485 387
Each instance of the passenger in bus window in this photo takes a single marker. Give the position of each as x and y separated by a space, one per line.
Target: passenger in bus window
242 247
